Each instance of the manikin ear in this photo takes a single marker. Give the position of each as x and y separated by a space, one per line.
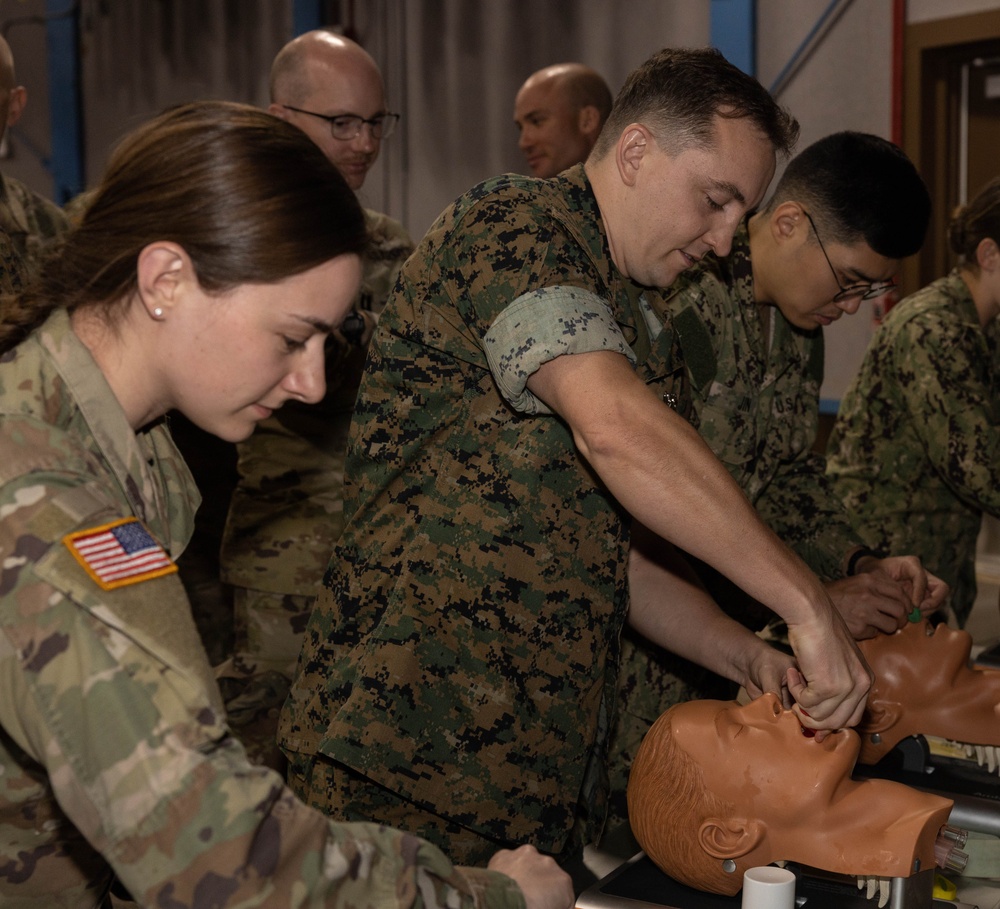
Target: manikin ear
730 838
588 120
15 104
634 144
880 716
163 271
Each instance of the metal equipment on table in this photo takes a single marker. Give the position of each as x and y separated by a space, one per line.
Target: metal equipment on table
639 884
975 790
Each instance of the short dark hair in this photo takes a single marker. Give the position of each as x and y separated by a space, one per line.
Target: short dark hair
977 220
678 92
857 186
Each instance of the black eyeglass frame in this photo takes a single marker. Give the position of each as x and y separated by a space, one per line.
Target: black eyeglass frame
382 126
868 291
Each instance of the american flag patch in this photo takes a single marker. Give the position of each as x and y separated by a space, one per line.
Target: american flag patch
122 552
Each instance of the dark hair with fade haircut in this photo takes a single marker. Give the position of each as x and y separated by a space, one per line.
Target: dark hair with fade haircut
678 92
857 186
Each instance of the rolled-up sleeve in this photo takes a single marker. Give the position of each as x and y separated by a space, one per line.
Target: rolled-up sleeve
544 324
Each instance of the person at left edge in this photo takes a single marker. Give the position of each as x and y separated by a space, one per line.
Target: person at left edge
218 253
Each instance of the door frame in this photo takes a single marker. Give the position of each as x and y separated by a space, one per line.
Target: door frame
926 127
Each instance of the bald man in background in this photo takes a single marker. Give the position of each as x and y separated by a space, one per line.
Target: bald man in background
559 112
286 512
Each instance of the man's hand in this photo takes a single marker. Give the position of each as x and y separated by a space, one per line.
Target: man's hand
661 471
544 884
884 593
870 603
767 671
832 682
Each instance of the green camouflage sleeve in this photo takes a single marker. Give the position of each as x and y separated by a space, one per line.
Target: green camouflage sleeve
952 406
389 245
802 509
758 409
115 752
31 221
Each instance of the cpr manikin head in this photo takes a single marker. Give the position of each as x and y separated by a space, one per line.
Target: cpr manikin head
925 685
717 788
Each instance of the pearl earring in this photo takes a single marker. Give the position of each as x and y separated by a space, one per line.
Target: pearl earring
158 313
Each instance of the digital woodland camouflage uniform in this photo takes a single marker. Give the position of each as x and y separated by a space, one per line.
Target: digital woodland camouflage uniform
287 512
915 451
13 269
756 403
463 652
114 752
30 220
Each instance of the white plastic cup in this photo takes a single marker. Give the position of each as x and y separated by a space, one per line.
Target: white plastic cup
768 887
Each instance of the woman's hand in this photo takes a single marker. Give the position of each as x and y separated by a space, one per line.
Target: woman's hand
544 884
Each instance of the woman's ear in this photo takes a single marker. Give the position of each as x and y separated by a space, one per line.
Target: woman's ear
162 270
988 255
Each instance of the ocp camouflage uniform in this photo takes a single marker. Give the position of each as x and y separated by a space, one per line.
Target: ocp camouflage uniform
286 514
756 403
114 752
463 651
30 220
915 451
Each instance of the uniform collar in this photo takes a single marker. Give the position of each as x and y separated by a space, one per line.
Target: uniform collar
147 466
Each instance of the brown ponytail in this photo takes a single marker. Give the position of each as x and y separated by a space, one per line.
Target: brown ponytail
249 197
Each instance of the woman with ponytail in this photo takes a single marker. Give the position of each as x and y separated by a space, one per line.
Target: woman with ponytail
219 251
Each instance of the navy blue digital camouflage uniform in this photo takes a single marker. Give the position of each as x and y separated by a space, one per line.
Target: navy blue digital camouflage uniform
915 451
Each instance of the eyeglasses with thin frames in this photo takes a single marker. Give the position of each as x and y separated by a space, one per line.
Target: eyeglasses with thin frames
866 291
346 127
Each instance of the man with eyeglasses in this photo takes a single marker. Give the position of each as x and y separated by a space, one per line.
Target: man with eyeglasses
844 213
286 512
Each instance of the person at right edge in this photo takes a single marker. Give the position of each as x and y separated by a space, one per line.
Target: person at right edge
458 674
915 450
